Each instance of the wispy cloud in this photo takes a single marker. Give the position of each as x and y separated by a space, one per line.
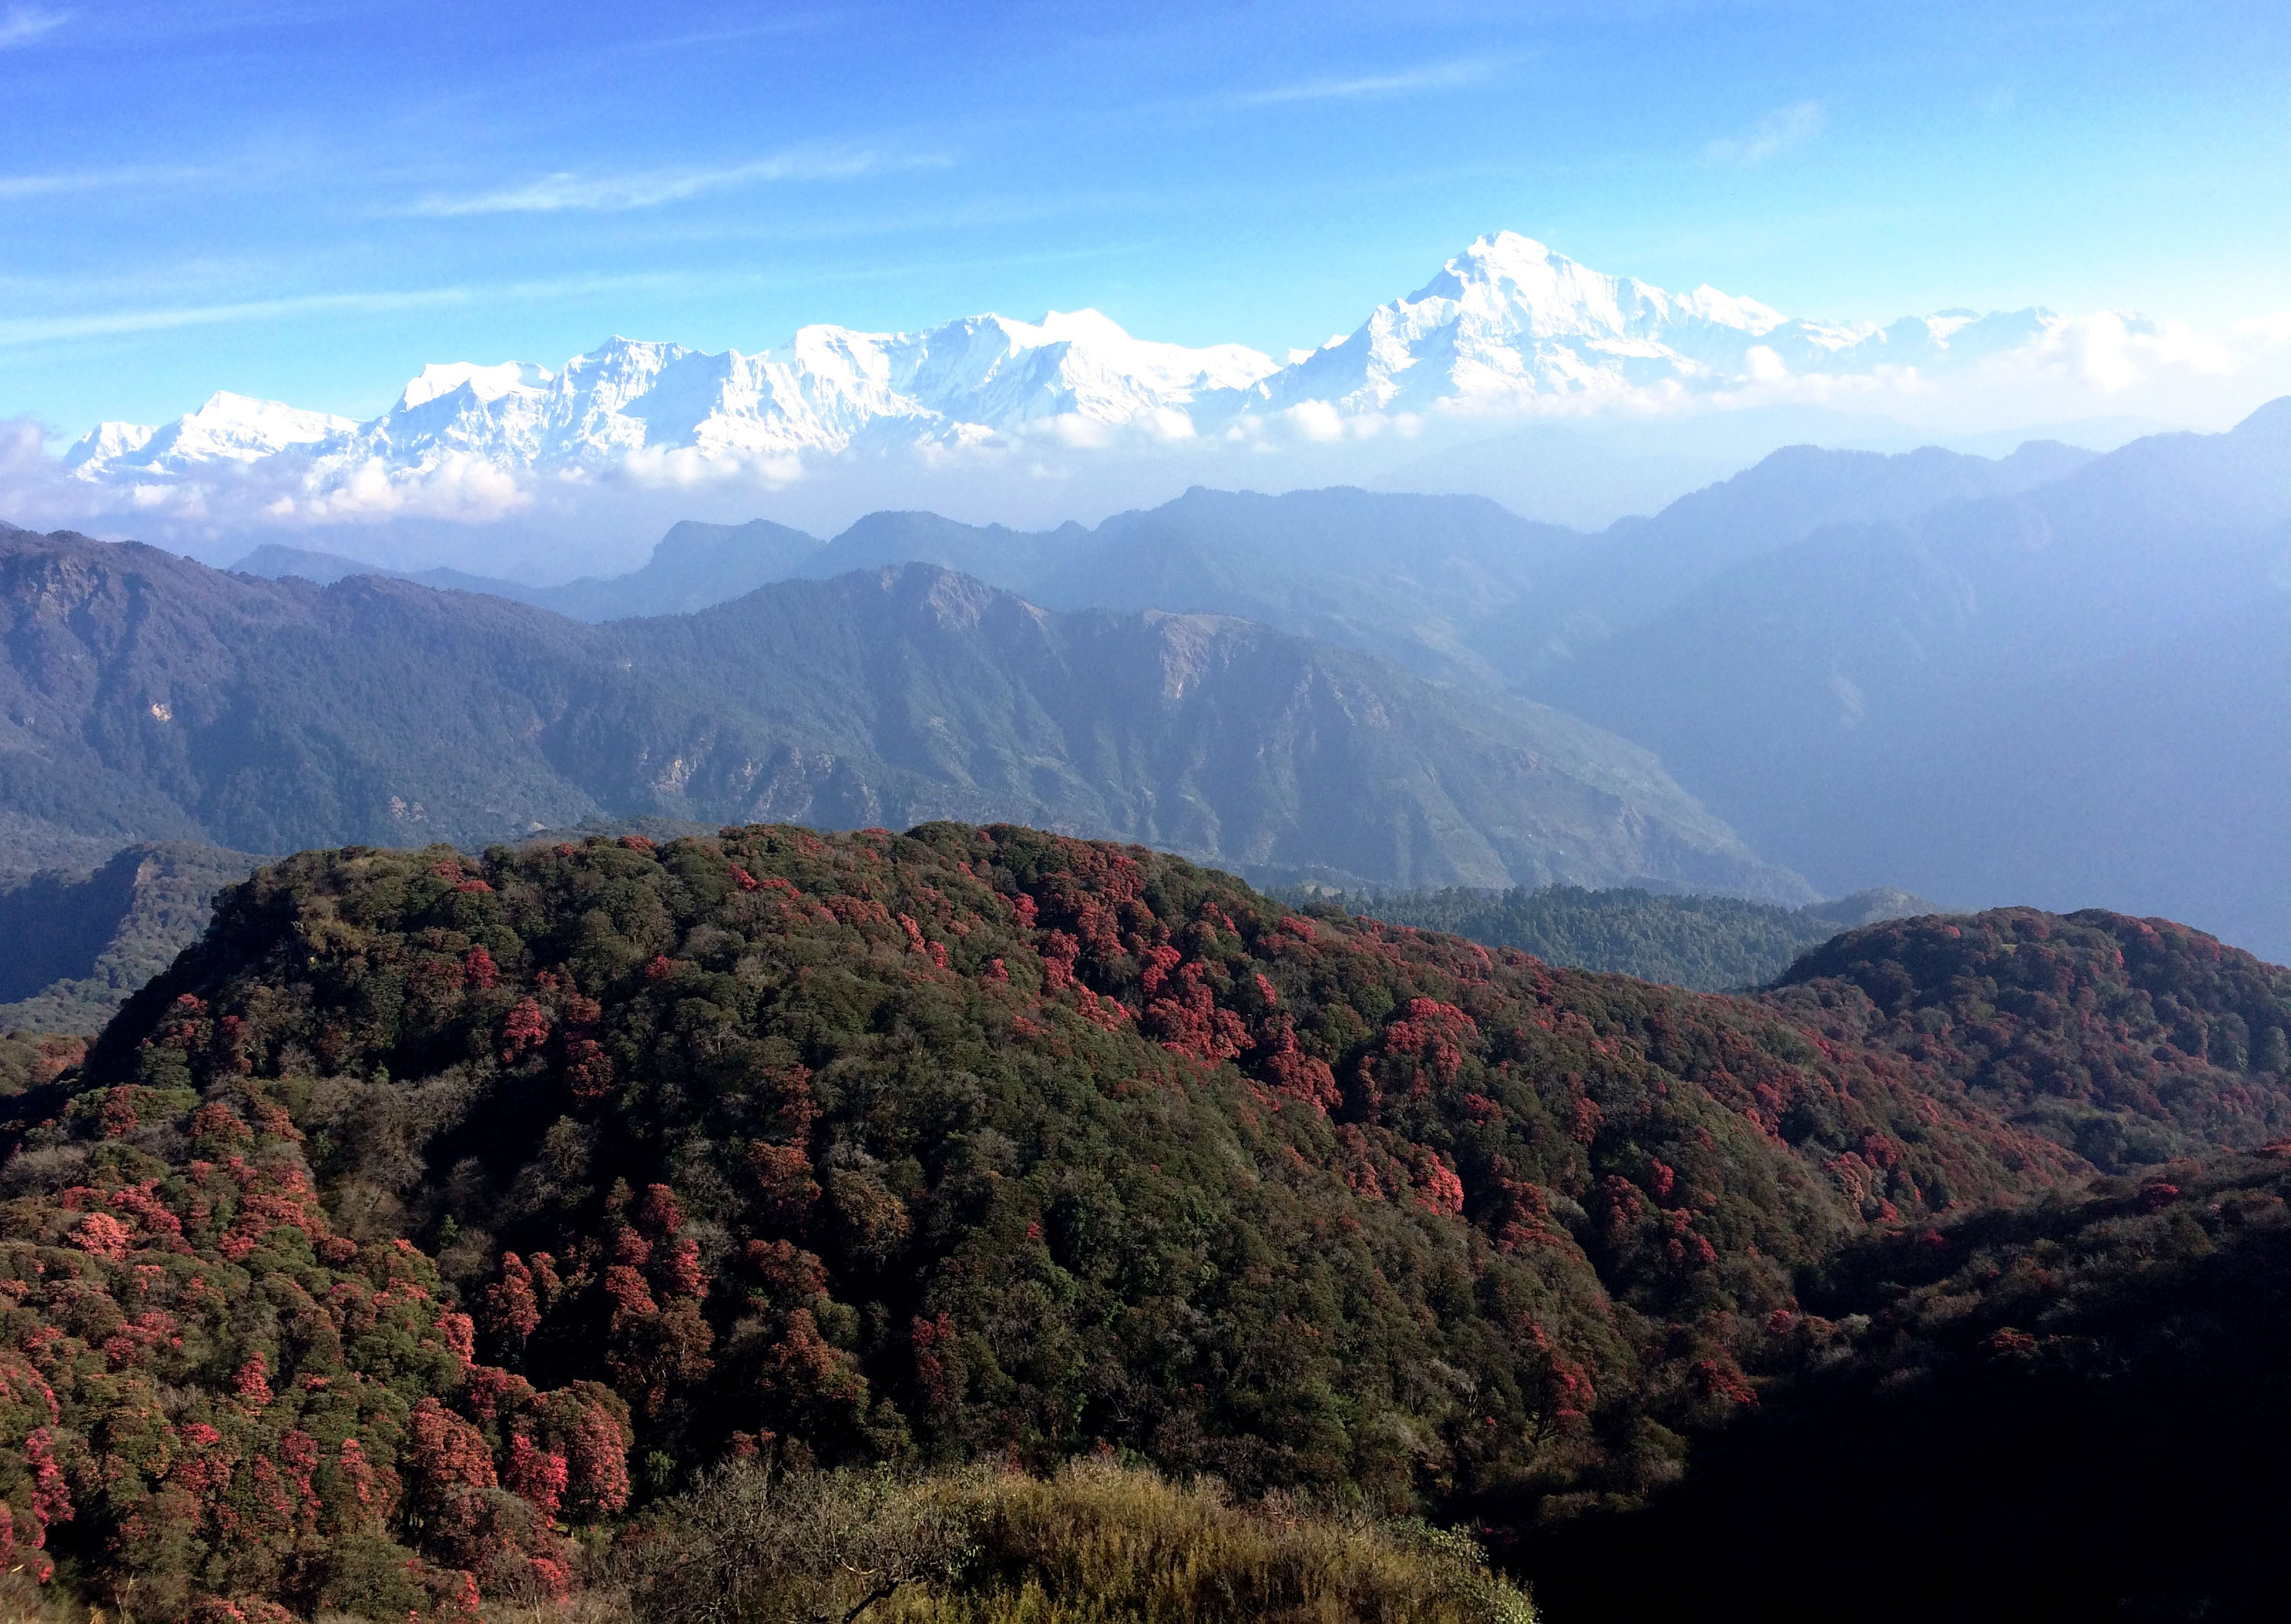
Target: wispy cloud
649 188
21 25
15 187
770 28
46 329
29 331
105 324
1777 133
1407 82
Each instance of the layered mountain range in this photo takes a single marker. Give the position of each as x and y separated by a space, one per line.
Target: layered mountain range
148 697
2051 676
1506 326
2075 690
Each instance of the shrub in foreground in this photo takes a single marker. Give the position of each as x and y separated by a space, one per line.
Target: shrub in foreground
1097 1543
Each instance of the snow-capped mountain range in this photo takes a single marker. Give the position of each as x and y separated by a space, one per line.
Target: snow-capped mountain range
1507 327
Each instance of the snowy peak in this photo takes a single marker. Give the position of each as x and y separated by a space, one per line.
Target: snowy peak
1510 325
241 428
108 444
485 383
227 428
1171 370
1507 326
1514 284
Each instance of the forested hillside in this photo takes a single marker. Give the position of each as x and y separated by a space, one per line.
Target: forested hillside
147 697
433 1203
73 946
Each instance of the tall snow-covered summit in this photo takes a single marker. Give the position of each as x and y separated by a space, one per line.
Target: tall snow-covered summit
1508 326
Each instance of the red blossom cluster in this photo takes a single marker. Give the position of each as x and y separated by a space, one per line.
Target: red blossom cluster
357 1416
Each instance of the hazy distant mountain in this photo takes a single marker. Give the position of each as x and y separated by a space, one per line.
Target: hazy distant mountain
1419 580
1456 588
2075 691
1422 581
2160 777
1640 566
275 562
1505 328
147 697
1709 944
1452 587
693 566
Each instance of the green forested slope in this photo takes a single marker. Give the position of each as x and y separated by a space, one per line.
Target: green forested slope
2130 1041
73 946
146 697
520 1190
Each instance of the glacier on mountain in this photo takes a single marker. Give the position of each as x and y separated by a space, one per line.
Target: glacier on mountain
1507 327
1510 326
227 428
827 390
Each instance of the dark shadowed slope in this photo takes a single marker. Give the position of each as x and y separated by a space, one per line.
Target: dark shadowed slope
150 697
2065 1412
73 946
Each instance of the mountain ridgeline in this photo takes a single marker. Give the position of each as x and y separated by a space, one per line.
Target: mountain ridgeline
694 567
2066 695
2052 677
1710 944
148 697
1455 588
74 945
489 1198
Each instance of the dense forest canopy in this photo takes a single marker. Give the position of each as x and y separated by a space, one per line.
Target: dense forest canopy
434 1209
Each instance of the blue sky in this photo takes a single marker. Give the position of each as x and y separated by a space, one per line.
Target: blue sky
308 202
